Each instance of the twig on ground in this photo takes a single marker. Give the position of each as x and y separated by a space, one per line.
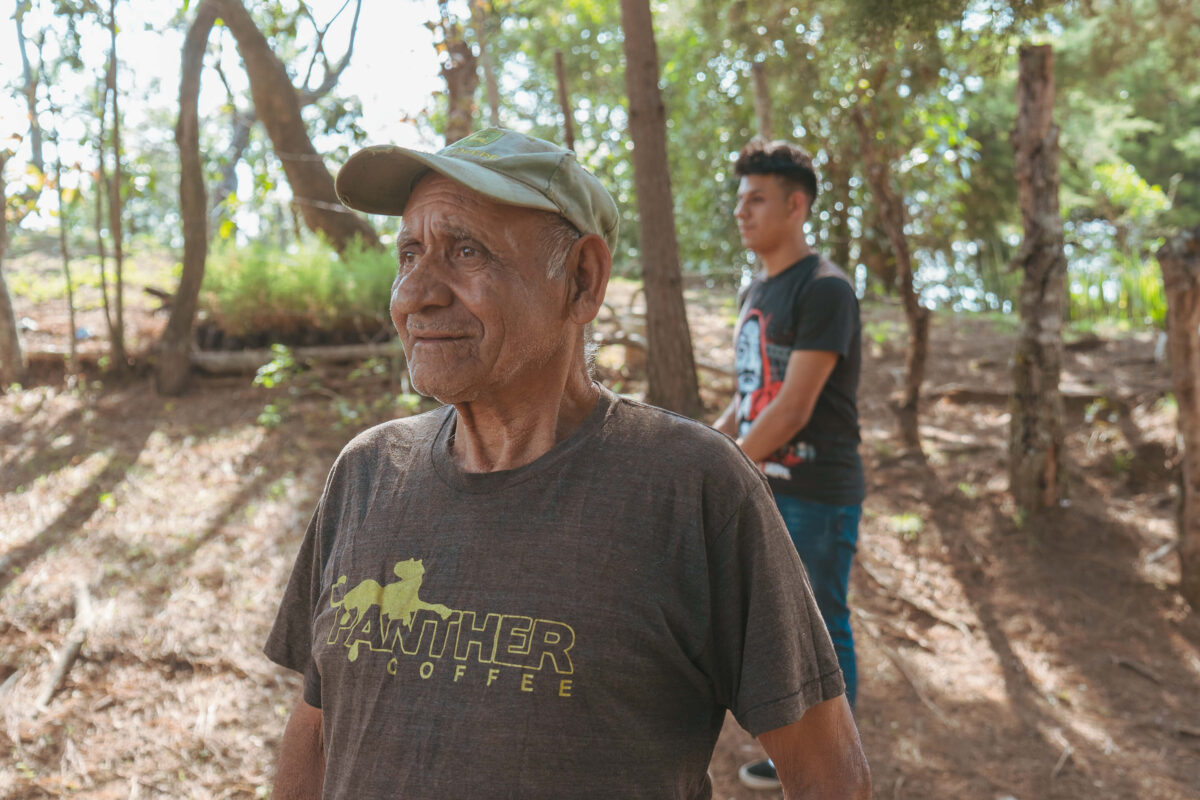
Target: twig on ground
892 629
895 658
71 647
1067 752
1136 666
958 625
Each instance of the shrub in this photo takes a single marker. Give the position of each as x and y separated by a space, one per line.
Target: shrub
260 287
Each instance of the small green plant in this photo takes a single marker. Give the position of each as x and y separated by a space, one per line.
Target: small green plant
270 417
1122 461
908 525
968 490
281 369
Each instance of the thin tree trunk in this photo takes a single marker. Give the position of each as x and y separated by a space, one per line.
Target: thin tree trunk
277 105
72 360
564 101
670 363
31 78
12 361
173 367
1180 262
1036 452
762 101
119 357
461 74
892 216
486 63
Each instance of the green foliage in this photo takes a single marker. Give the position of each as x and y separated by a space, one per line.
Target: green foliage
259 287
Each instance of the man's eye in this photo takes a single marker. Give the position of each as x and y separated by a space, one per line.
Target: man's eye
467 251
408 258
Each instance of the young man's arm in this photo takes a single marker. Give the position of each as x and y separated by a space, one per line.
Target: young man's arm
727 422
300 774
820 755
789 412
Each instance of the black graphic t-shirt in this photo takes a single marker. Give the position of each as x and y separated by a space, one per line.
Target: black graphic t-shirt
811 305
572 628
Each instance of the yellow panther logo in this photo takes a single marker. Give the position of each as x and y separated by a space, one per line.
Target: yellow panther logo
399 601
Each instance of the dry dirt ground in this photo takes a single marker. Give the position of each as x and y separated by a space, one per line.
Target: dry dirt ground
1000 657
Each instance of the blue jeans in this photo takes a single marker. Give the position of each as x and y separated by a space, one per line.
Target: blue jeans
826 537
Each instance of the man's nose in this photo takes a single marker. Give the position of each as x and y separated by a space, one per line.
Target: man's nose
421 287
739 210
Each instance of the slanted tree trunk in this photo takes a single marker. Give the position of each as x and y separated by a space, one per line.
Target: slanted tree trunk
670 363
1036 452
173 365
564 101
12 360
762 101
1180 262
277 105
117 333
892 216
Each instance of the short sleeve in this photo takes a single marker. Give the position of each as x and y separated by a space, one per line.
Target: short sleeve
290 642
825 316
769 651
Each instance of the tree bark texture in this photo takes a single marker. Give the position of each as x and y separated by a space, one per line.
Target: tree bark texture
481 19
1180 262
762 101
278 106
12 361
461 74
564 101
173 366
892 216
1036 453
117 331
670 363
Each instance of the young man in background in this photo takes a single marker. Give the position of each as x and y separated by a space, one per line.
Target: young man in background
798 354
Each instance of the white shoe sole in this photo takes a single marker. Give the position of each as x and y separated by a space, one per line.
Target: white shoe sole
753 781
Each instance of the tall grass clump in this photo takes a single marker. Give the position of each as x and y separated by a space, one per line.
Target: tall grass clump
258 287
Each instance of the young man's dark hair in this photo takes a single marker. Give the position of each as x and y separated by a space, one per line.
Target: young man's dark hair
786 161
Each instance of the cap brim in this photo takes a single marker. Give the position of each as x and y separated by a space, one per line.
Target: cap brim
380 179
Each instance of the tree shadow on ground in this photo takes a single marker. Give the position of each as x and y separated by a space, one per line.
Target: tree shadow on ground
1092 656
124 435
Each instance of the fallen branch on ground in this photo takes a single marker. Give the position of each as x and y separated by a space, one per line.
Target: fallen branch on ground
71 647
960 626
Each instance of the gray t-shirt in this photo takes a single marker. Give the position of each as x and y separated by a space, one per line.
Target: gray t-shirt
572 628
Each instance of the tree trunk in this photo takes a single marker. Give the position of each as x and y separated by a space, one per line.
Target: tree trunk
277 105
838 244
72 360
564 101
12 361
117 338
670 363
462 79
762 103
1180 262
486 64
173 366
1036 452
892 216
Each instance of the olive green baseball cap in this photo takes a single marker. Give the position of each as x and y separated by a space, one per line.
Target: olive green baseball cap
507 166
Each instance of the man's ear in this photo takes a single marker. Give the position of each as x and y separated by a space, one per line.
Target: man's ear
798 203
587 278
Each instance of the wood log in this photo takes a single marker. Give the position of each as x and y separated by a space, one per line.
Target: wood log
71 647
224 362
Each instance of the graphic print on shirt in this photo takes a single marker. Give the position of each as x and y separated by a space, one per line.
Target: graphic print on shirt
760 367
392 618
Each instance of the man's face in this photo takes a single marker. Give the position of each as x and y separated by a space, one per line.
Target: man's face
766 214
472 302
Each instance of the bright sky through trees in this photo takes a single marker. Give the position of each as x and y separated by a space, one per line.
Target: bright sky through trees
393 70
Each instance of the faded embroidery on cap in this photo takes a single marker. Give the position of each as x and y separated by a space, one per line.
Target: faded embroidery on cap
478 139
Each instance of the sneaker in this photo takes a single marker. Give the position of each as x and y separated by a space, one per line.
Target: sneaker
759 775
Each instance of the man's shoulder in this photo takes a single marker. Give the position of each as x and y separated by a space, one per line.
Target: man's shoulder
397 434
673 439
828 269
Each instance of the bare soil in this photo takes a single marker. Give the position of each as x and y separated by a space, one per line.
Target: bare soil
1000 657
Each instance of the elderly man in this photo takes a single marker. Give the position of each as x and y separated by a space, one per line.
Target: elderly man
540 589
